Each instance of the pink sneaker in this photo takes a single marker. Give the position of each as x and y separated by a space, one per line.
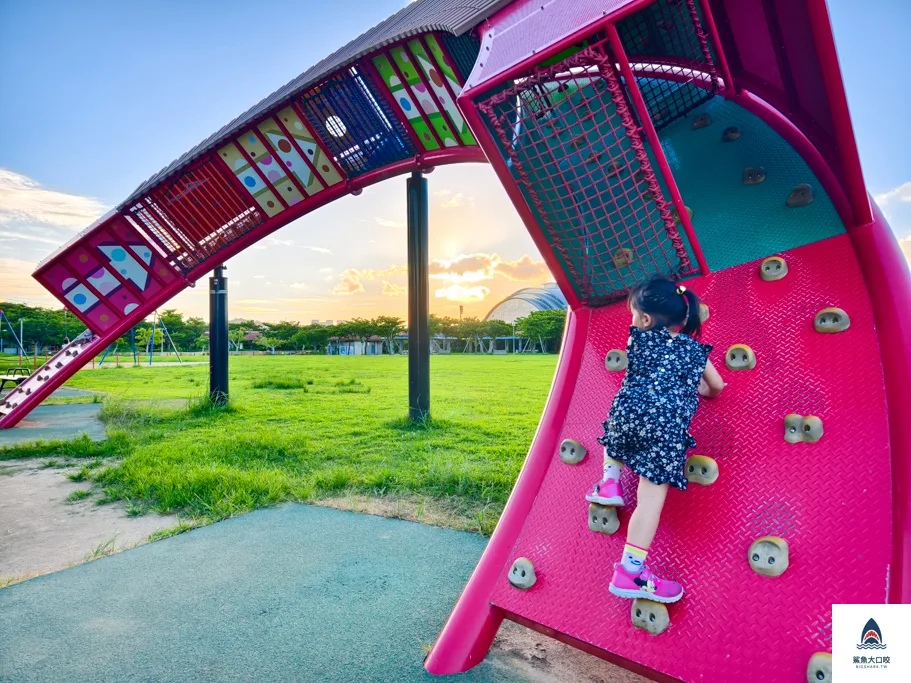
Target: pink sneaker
644 585
606 493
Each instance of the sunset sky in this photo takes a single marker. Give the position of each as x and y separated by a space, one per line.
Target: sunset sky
97 96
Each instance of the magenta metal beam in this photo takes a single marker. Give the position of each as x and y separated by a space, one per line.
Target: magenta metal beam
657 150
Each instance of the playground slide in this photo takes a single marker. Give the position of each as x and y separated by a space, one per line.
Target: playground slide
635 139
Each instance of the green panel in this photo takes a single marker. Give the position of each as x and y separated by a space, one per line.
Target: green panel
736 223
423 96
405 102
434 72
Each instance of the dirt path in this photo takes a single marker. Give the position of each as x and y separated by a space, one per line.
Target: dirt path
41 532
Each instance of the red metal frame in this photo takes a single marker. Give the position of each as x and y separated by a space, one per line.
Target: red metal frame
470 629
652 135
185 223
720 58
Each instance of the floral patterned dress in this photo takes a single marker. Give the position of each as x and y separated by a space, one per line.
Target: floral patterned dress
649 422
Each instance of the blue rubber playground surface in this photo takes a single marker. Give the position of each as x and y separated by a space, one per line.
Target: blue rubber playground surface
295 593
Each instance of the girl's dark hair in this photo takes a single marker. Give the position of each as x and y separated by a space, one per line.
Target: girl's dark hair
669 303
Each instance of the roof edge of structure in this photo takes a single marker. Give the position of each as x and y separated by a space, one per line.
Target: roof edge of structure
456 18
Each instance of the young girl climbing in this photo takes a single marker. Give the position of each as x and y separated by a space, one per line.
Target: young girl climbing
647 428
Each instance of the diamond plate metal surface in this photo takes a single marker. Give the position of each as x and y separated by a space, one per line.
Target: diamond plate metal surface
830 500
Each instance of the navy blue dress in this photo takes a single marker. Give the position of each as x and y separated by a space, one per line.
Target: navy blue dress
648 427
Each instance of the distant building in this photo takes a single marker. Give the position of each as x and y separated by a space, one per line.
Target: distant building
519 304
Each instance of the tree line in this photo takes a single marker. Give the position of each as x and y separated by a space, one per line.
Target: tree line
49 328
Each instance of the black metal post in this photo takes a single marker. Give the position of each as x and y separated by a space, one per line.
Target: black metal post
418 300
218 337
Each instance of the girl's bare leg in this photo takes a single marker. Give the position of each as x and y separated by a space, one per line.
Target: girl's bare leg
644 522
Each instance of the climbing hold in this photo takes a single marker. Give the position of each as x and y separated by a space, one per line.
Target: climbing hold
650 616
603 519
623 257
819 668
773 268
572 452
740 357
702 121
704 313
768 556
522 574
730 134
59 364
753 176
800 429
676 215
701 469
639 176
616 360
831 321
800 196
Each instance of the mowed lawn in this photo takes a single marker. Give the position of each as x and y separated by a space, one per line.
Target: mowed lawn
312 427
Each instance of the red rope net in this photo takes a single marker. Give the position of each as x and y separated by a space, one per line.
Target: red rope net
577 153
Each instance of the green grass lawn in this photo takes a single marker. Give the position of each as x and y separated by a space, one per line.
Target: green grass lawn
312 427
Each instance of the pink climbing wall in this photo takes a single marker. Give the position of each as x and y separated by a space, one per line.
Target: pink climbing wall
830 500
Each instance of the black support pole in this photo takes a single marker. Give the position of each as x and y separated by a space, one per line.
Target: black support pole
418 300
218 337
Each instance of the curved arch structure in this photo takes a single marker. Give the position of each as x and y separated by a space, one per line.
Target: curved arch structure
690 138
545 298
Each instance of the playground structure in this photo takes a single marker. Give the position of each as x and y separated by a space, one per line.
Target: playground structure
689 138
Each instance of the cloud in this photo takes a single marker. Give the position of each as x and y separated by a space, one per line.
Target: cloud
902 193
460 293
30 238
390 289
480 267
386 223
253 301
452 201
349 283
524 270
18 284
896 207
319 250
24 200
905 245
352 280
298 285
273 242
465 268
325 270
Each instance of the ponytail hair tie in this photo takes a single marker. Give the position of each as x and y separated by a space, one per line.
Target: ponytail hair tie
681 290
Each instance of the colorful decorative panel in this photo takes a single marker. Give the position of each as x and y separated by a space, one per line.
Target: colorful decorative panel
289 156
305 140
125 233
270 167
402 96
250 179
425 98
434 74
